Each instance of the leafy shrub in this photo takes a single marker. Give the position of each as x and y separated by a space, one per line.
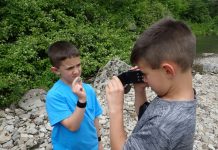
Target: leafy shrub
100 29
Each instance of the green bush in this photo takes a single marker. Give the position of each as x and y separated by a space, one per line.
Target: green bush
100 29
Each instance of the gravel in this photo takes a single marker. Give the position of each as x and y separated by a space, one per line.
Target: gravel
25 126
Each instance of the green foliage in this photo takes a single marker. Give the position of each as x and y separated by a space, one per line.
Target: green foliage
197 13
100 29
205 28
178 7
213 7
148 12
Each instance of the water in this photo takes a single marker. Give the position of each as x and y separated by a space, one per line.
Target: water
207 44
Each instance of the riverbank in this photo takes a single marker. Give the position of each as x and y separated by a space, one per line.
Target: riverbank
206 63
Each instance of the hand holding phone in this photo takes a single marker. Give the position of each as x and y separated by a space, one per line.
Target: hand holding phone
131 76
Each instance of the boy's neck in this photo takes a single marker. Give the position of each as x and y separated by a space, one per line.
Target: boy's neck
181 88
65 82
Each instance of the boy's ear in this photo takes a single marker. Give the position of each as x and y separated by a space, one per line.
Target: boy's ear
55 70
169 69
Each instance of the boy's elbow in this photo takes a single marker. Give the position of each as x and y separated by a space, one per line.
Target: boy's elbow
74 128
70 126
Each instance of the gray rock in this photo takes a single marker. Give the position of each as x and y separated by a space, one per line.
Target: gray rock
36 96
27 126
5 136
208 63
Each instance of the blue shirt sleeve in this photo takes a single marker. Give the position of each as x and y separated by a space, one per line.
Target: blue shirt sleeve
57 108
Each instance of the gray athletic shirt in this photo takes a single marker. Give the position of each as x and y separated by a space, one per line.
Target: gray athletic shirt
164 126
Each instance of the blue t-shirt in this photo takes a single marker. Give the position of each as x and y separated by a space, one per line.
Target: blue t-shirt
60 104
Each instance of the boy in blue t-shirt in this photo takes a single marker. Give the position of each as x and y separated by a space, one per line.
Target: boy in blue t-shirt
72 106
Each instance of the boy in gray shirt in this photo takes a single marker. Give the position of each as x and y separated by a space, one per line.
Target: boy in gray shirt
164 53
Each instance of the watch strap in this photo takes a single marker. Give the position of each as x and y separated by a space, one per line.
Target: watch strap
81 105
99 138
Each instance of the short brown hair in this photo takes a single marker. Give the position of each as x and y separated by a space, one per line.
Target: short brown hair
166 40
60 51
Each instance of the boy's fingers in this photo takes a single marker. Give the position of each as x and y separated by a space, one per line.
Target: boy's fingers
77 80
117 81
134 68
77 85
114 84
110 84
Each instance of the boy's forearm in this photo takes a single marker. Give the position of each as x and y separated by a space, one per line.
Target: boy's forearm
73 122
140 99
98 128
117 132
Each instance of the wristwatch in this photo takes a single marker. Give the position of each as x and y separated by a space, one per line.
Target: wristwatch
99 138
81 105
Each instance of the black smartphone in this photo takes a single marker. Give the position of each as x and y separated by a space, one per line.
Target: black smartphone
131 76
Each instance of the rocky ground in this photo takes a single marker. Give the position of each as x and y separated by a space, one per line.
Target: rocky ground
25 126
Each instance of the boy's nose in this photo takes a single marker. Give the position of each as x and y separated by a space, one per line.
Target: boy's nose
76 71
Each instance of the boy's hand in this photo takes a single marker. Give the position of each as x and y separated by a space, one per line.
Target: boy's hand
139 86
140 93
115 94
78 89
100 146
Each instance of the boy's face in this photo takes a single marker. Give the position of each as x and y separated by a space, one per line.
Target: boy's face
155 78
69 69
